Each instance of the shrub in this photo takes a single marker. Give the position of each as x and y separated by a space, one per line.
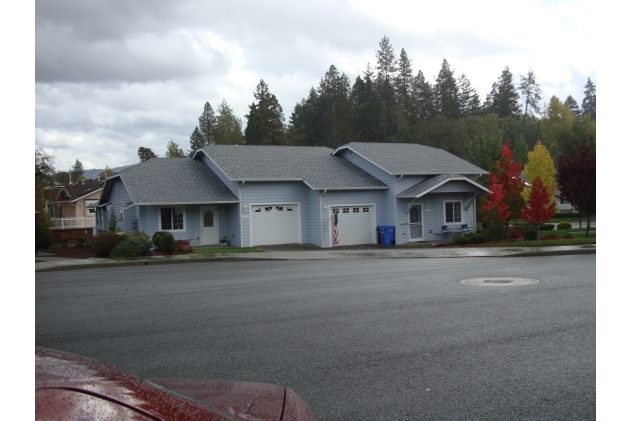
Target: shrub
530 234
164 241
564 225
84 242
462 240
184 246
550 237
494 232
112 222
143 242
105 243
516 232
546 227
126 248
43 236
568 236
470 238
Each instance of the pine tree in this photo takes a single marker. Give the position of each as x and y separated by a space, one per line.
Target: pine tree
77 170
521 151
573 106
503 99
446 92
228 129
423 98
366 109
468 98
196 141
207 124
266 122
404 87
174 150
589 101
335 108
531 92
387 67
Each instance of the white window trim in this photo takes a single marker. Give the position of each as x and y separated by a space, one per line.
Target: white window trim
172 207
445 212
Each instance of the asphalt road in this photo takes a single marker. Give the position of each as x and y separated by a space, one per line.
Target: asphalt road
357 339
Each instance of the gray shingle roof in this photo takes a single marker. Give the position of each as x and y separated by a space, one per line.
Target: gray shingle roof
174 180
412 158
313 165
428 185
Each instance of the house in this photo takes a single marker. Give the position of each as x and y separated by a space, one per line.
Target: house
262 195
73 205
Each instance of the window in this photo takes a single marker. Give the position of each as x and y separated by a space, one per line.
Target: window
122 213
90 210
345 210
355 210
453 212
365 209
172 219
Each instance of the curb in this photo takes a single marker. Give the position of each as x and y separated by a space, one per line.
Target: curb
552 253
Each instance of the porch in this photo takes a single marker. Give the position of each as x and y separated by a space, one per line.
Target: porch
72 223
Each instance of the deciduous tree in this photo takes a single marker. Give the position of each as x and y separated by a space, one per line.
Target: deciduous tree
506 172
145 154
106 172
44 177
540 165
556 127
577 180
174 150
540 206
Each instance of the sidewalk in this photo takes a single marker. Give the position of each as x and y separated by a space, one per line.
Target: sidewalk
45 262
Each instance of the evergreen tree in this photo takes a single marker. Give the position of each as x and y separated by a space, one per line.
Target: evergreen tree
573 106
266 122
531 92
145 154
423 98
468 98
196 141
207 124
334 104
228 129
77 170
484 147
174 150
387 67
503 99
446 92
404 87
589 101
366 108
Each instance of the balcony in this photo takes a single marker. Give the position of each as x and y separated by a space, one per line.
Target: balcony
72 223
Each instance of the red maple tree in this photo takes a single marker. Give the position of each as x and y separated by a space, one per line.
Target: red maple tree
506 172
539 209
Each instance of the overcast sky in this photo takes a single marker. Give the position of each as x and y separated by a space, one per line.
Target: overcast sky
114 76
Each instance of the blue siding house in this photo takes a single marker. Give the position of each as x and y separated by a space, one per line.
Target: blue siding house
263 195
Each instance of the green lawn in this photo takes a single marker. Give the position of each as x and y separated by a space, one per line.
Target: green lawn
226 249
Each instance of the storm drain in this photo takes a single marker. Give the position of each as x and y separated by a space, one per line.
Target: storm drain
499 282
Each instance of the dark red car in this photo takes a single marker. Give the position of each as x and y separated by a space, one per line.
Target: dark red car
71 387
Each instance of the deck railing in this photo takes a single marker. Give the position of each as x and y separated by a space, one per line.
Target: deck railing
65 223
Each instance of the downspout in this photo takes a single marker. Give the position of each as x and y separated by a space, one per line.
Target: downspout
240 217
321 234
396 210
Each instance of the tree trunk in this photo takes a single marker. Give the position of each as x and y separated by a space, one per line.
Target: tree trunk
587 230
538 236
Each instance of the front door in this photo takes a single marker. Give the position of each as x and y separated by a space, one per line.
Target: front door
416 222
209 225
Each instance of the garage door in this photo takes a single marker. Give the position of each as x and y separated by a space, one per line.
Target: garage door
275 224
356 224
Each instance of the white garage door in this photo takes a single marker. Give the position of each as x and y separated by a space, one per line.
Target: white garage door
275 224
356 224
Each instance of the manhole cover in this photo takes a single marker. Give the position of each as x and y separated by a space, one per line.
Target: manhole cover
498 282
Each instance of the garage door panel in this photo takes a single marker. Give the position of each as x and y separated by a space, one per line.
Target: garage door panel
275 224
356 224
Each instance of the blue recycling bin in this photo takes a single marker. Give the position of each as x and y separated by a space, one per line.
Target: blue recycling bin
386 235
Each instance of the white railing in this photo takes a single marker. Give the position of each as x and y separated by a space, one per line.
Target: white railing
64 223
